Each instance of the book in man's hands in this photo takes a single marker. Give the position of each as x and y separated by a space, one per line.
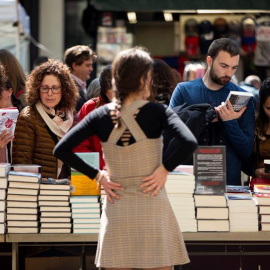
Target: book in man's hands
239 99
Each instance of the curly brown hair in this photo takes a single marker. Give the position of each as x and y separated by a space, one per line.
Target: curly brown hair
3 78
61 71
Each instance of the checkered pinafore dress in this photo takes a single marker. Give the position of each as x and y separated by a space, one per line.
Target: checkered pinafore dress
137 231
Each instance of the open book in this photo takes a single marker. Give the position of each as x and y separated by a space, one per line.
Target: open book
239 99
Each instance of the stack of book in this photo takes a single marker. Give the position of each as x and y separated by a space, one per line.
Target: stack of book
4 169
55 211
85 213
180 188
262 197
243 212
22 194
212 213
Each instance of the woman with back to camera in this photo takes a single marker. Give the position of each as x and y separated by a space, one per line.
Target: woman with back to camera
51 98
15 74
138 226
92 144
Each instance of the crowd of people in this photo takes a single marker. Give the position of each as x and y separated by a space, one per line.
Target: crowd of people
122 115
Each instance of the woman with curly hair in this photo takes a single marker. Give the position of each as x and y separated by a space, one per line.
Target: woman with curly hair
51 97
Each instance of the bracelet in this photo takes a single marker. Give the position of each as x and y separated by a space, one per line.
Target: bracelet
101 174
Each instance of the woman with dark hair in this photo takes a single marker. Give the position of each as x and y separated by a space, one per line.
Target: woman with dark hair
15 73
138 226
163 82
51 97
262 132
7 100
92 144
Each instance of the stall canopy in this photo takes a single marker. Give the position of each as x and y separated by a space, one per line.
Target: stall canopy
159 5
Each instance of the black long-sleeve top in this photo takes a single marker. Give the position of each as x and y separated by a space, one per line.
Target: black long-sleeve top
153 118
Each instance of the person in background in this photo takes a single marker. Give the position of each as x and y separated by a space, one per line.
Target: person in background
163 82
236 129
80 60
93 89
15 73
51 96
40 60
261 149
252 84
92 144
130 131
7 100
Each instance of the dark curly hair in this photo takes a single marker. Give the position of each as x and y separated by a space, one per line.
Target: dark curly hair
262 121
62 72
105 81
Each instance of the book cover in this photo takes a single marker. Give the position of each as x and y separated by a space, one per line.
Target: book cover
24 177
53 203
4 169
239 99
53 198
86 225
210 170
55 184
2 217
2 228
262 188
56 214
85 215
82 184
8 119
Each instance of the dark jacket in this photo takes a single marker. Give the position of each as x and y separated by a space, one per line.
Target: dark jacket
198 118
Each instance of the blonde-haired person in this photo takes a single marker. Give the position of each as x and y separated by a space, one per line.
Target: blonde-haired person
15 73
138 226
51 97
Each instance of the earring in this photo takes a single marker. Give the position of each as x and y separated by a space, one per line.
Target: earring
9 97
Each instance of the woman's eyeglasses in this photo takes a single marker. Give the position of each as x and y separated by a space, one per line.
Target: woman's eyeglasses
56 89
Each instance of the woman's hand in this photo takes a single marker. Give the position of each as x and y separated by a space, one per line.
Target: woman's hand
109 187
259 173
5 138
155 181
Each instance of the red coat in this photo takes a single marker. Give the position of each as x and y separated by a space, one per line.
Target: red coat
92 144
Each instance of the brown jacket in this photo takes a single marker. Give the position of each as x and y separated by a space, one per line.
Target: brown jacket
33 144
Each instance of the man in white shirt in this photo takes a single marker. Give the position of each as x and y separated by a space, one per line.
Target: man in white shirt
80 60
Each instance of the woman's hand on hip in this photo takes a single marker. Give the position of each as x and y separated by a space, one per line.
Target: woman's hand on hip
109 187
154 182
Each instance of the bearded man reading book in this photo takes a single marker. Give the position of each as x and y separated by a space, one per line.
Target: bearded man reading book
213 88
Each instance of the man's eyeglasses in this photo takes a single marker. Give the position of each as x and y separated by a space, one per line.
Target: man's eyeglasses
56 89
